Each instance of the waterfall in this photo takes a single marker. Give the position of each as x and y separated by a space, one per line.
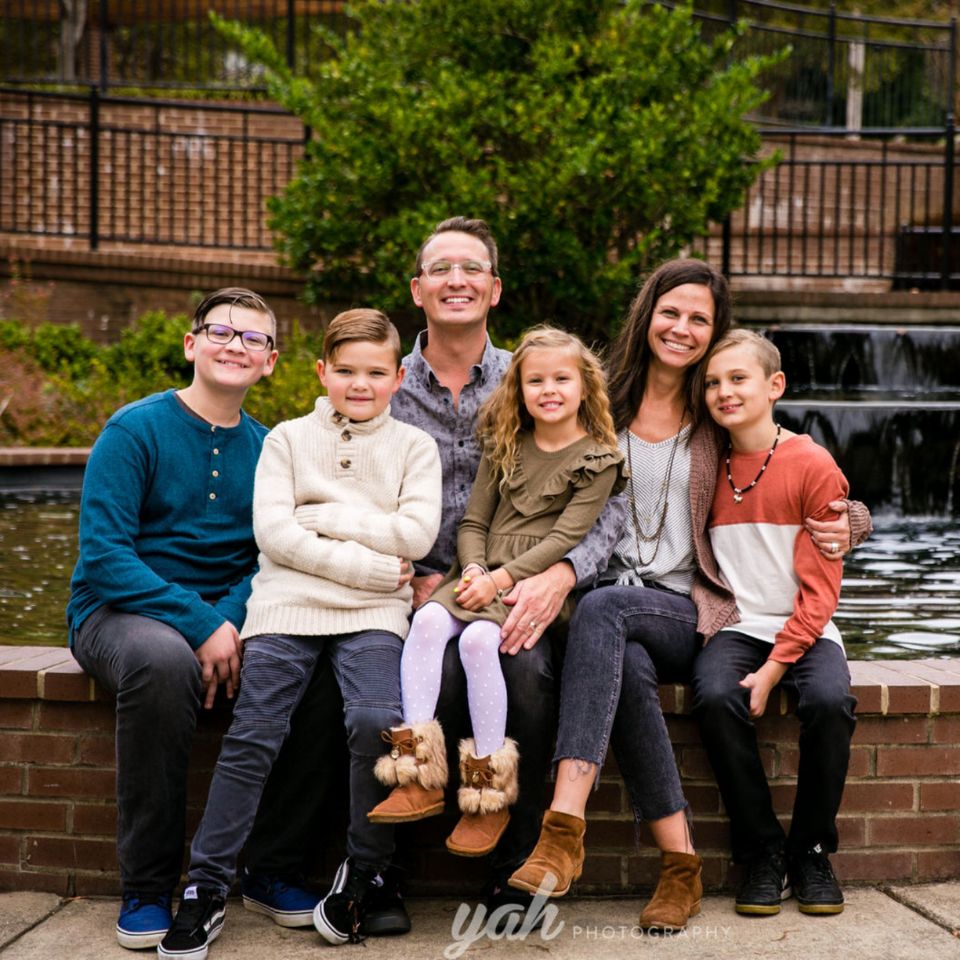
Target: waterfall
886 403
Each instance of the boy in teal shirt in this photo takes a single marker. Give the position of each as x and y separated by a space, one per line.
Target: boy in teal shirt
161 583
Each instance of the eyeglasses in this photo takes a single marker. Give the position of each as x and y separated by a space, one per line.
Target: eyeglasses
222 334
443 268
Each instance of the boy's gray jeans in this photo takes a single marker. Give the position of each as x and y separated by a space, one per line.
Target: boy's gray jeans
155 676
275 675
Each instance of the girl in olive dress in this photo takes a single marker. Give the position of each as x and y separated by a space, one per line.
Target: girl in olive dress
550 461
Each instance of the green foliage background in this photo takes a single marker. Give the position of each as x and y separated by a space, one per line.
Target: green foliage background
58 388
598 137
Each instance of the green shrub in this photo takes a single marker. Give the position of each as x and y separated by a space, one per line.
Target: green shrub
598 137
57 388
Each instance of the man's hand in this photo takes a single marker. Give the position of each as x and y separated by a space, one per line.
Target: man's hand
761 683
535 601
406 572
219 657
423 587
832 537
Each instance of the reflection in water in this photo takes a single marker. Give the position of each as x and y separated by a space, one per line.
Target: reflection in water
38 548
901 590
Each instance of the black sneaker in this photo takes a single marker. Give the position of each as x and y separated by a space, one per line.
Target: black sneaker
339 916
384 912
814 883
764 886
197 924
509 907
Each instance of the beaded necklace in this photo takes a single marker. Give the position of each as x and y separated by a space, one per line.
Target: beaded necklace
738 492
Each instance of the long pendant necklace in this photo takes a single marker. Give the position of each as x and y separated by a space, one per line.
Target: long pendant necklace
642 536
738 492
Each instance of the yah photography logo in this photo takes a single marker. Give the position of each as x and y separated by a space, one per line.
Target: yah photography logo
543 918
505 923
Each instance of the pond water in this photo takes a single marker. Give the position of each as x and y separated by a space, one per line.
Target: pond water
900 597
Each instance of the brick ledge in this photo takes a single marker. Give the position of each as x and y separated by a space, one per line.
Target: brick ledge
886 687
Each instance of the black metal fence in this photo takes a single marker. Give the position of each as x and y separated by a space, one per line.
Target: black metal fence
867 209
151 172
122 170
151 43
844 70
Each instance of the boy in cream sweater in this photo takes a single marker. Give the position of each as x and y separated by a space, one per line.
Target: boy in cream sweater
344 499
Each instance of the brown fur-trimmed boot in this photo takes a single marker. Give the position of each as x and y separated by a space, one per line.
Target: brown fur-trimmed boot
416 768
488 788
678 893
557 858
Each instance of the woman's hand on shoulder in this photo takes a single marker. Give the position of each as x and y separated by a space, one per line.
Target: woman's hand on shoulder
832 537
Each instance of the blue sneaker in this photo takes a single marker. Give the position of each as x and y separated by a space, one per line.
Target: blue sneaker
284 903
144 919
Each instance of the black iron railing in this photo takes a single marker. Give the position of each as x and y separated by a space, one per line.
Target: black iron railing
143 172
869 208
151 43
101 169
844 70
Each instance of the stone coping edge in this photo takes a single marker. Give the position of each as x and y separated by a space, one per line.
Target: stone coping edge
887 687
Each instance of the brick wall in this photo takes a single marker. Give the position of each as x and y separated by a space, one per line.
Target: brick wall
900 818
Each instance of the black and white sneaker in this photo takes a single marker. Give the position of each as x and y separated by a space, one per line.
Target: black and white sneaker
339 916
197 924
764 886
814 883
384 912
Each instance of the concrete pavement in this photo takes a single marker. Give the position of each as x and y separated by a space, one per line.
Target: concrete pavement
885 923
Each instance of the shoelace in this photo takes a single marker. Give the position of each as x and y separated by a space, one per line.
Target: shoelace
400 747
819 869
763 870
190 915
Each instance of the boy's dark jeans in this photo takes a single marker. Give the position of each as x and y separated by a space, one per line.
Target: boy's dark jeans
821 679
276 673
156 678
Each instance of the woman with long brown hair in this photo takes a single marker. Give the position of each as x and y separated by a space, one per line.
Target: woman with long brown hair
660 596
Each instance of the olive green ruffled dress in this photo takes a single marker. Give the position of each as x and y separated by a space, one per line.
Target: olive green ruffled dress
552 500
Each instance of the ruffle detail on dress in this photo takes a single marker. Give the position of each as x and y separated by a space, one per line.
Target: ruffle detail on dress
577 472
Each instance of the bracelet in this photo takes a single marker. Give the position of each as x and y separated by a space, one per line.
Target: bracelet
495 587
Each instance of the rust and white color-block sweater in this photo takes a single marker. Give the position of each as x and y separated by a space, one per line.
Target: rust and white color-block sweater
786 590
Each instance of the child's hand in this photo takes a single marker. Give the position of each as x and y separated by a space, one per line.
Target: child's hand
406 572
475 590
761 683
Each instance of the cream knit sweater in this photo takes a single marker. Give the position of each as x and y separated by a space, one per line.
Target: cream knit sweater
336 504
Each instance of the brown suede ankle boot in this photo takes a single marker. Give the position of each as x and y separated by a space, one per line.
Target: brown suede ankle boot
678 893
557 855
489 787
416 768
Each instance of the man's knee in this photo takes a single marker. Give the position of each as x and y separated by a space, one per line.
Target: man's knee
529 675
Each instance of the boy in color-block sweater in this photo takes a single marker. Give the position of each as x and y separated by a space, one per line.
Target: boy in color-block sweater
786 593
344 499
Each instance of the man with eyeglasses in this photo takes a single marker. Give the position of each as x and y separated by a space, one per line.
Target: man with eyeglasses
160 587
451 371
